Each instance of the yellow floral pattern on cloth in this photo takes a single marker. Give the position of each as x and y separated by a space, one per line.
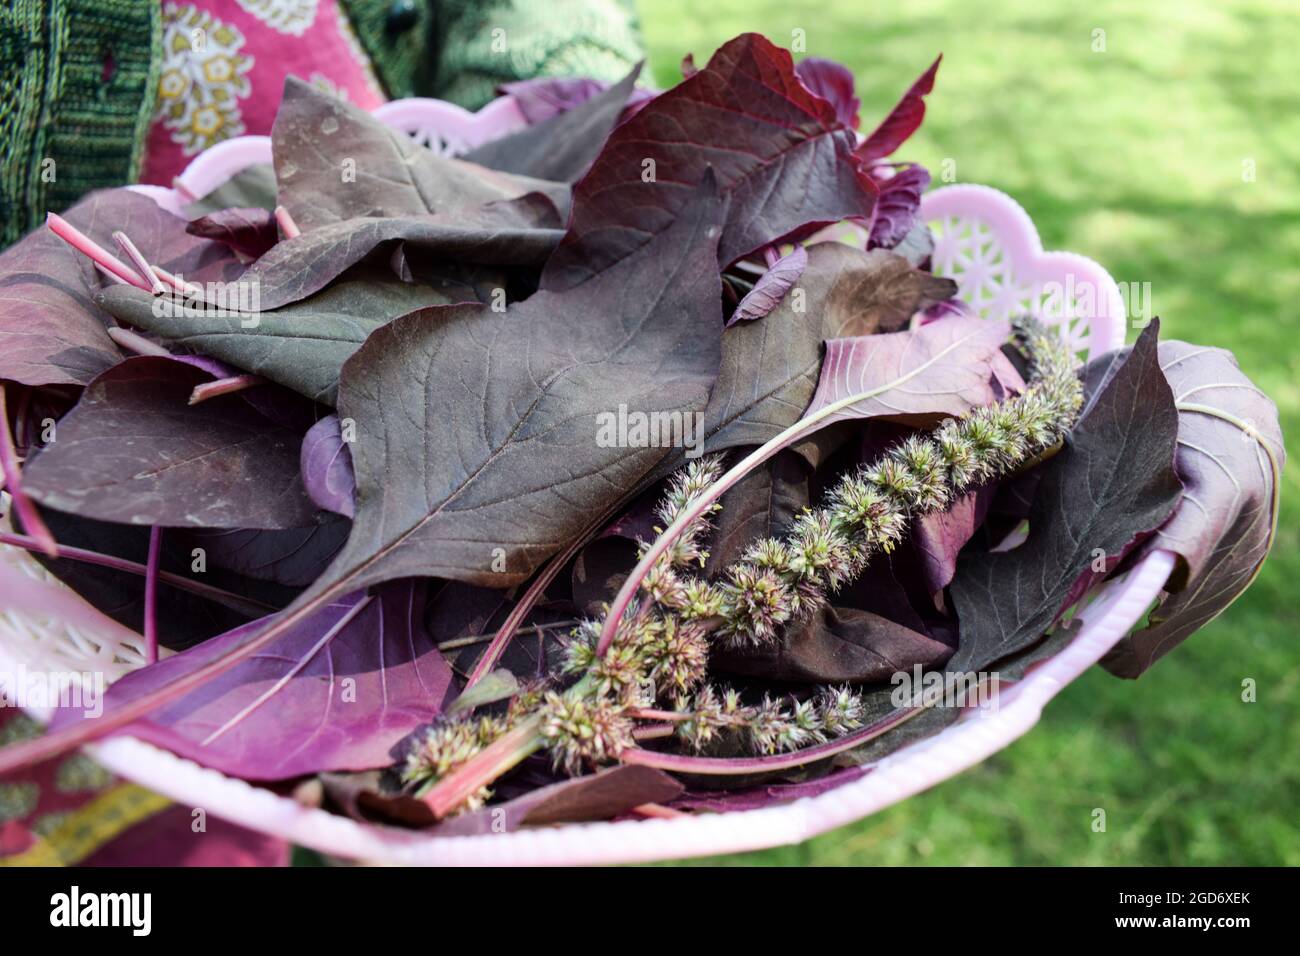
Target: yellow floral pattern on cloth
288 16
204 76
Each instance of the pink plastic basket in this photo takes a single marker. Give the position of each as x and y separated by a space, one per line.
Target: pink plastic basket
984 240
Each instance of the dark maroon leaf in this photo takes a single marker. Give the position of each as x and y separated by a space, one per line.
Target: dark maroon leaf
302 346
478 452
600 796
902 120
184 618
462 618
520 232
51 331
135 451
770 368
939 536
771 287
335 693
599 571
894 587
561 148
782 158
1230 457
249 231
327 467
833 82
294 557
1113 481
763 503
724 801
546 97
838 644
897 209
335 162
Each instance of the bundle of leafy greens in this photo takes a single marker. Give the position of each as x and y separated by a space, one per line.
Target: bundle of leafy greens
581 475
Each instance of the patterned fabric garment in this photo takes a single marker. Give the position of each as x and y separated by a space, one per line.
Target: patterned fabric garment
224 65
70 811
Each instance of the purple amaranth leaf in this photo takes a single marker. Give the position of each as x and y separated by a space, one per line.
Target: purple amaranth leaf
771 287
335 693
764 503
770 368
462 617
835 645
943 369
184 617
781 156
134 451
302 346
249 231
1230 457
833 82
515 490
898 207
756 798
316 135
518 232
293 557
902 120
327 467
939 536
949 308
605 794
1113 481
51 330
561 148
546 97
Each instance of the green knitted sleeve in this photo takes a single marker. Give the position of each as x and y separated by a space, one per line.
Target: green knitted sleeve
480 45
76 85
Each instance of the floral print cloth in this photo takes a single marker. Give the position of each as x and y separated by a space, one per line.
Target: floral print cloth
71 811
224 67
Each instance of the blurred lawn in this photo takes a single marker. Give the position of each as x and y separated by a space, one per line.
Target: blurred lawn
1133 156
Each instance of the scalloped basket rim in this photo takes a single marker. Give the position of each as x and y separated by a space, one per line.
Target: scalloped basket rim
1109 616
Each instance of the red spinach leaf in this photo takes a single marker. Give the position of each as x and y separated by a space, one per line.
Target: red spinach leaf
902 120
249 231
1112 482
1230 458
478 452
302 346
327 467
770 368
335 162
562 147
782 157
338 692
771 287
51 331
135 451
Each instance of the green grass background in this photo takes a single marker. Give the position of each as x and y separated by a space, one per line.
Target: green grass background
1133 156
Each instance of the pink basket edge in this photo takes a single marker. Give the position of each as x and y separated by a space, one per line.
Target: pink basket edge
903 774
